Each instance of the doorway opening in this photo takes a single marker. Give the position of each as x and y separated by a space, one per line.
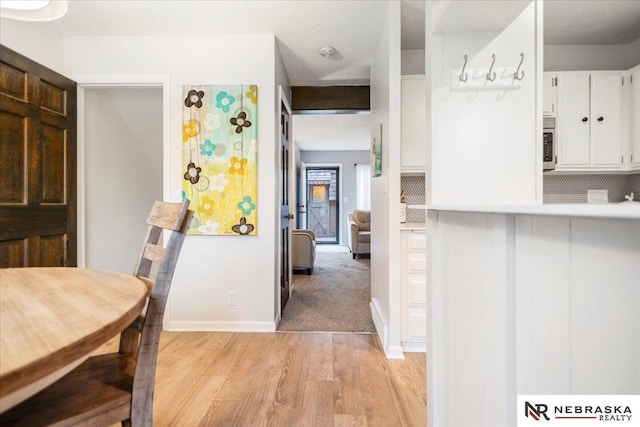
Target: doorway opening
122 165
123 144
323 203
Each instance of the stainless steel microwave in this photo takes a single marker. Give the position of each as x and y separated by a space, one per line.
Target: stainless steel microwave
549 154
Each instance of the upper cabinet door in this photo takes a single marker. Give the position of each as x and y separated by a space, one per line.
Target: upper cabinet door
549 94
635 118
574 120
606 124
414 129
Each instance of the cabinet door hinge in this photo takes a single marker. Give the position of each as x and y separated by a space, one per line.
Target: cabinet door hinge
622 80
631 79
621 159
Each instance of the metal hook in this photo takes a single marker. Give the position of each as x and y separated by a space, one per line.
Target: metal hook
466 76
519 75
491 77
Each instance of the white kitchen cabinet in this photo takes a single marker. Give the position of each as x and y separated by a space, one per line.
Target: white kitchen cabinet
549 94
635 118
414 128
414 290
591 120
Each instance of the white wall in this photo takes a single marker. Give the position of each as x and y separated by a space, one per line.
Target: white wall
209 267
633 53
591 57
34 41
485 142
412 61
347 160
123 172
385 189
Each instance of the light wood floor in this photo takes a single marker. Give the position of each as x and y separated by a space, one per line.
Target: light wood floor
285 379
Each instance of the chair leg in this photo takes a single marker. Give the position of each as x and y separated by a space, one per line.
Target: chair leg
308 271
354 255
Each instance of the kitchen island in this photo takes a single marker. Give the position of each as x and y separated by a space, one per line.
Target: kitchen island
530 299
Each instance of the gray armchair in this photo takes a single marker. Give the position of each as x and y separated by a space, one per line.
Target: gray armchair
359 232
303 249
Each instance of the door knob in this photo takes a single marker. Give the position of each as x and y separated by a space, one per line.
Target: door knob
600 119
584 119
290 216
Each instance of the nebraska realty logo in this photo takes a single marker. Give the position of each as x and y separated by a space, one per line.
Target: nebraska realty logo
578 410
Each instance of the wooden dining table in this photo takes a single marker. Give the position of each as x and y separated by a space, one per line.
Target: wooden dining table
52 319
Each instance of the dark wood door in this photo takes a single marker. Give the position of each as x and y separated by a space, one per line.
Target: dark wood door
285 213
37 164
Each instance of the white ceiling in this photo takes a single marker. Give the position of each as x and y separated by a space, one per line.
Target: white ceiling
302 27
351 26
591 22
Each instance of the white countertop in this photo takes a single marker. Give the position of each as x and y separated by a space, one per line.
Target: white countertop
609 210
412 226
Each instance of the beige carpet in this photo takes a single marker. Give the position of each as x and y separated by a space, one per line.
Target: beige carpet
334 298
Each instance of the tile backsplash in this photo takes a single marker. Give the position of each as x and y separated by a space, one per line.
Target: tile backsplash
414 193
573 188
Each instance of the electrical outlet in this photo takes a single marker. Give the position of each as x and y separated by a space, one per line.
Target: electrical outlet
597 196
232 298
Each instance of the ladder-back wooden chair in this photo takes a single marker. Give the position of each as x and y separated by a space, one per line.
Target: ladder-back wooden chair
118 387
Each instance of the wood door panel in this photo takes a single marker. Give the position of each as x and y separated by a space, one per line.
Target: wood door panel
51 251
53 98
37 164
53 148
13 253
13 82
44 251
12 158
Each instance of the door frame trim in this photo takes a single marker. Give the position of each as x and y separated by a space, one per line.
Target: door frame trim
282 99
117 81
340 194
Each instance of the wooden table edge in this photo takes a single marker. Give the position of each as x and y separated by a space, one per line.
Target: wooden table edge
32 372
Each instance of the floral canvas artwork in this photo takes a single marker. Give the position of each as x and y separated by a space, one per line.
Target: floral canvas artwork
219 153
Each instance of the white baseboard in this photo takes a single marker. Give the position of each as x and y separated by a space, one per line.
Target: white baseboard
394 352
220 326
382 327
414 347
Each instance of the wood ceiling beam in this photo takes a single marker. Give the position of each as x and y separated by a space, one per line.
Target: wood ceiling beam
330 99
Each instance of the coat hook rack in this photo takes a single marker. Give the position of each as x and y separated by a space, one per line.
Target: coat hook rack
492 76
464 76
519 75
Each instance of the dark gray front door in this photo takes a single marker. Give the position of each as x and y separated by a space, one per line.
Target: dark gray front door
322 204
